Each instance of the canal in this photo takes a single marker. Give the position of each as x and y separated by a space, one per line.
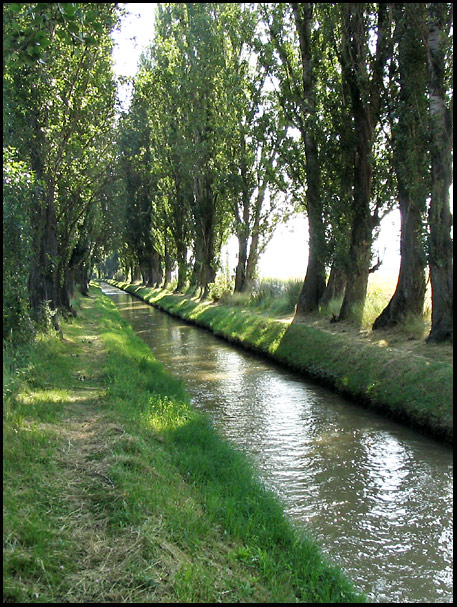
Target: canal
376 496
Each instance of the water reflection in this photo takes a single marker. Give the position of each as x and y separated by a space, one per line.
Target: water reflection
377 496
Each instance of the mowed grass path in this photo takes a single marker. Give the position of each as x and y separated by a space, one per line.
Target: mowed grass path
115 490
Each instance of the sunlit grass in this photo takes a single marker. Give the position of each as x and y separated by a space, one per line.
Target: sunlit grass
379 292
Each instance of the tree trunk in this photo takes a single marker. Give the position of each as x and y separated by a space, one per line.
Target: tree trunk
243 221
365 101
251 252
204 216
168 270
251 264
357 284
156 268
136 273
362 228
336 285
83 279
42 283
182 266
240 271
410 160
43 272
409 294
314 283
180 231
64 290
440 220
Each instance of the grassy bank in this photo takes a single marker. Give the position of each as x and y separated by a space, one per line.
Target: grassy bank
116 490
415 388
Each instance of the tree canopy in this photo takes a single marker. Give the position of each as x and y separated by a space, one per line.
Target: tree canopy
241 114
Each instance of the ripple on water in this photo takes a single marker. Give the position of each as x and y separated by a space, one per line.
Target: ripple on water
377 496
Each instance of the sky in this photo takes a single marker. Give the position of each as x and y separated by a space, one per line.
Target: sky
287 254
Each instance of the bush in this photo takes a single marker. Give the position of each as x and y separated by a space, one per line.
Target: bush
293 288
119 275
221 287
18 189
276 296
266 292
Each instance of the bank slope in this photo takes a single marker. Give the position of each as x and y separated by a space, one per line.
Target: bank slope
408 388
117 490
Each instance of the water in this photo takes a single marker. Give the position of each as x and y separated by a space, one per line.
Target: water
376 496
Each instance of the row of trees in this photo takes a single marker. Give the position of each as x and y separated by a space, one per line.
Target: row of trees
199 147
241 114
59 153
343 108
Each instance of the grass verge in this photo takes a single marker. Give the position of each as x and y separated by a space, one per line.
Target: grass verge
410 388
116 490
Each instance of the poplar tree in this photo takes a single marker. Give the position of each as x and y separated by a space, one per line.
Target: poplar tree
290 59
438 45
253 136
60 96
409 140
363 74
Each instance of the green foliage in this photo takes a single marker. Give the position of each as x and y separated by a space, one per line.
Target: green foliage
276 297
224 101
271 296
58 114
32 28
19 188
221 288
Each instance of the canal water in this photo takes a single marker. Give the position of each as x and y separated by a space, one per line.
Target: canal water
376 496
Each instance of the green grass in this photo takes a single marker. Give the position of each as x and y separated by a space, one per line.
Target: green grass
271 296
276 297
117 490
411 388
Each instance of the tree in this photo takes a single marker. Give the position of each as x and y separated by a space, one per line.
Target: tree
59 103
140 189
186 86
18 188
363 75
314 285
204 52
336 140
408 119
252 136
163 85
437 42
294 68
